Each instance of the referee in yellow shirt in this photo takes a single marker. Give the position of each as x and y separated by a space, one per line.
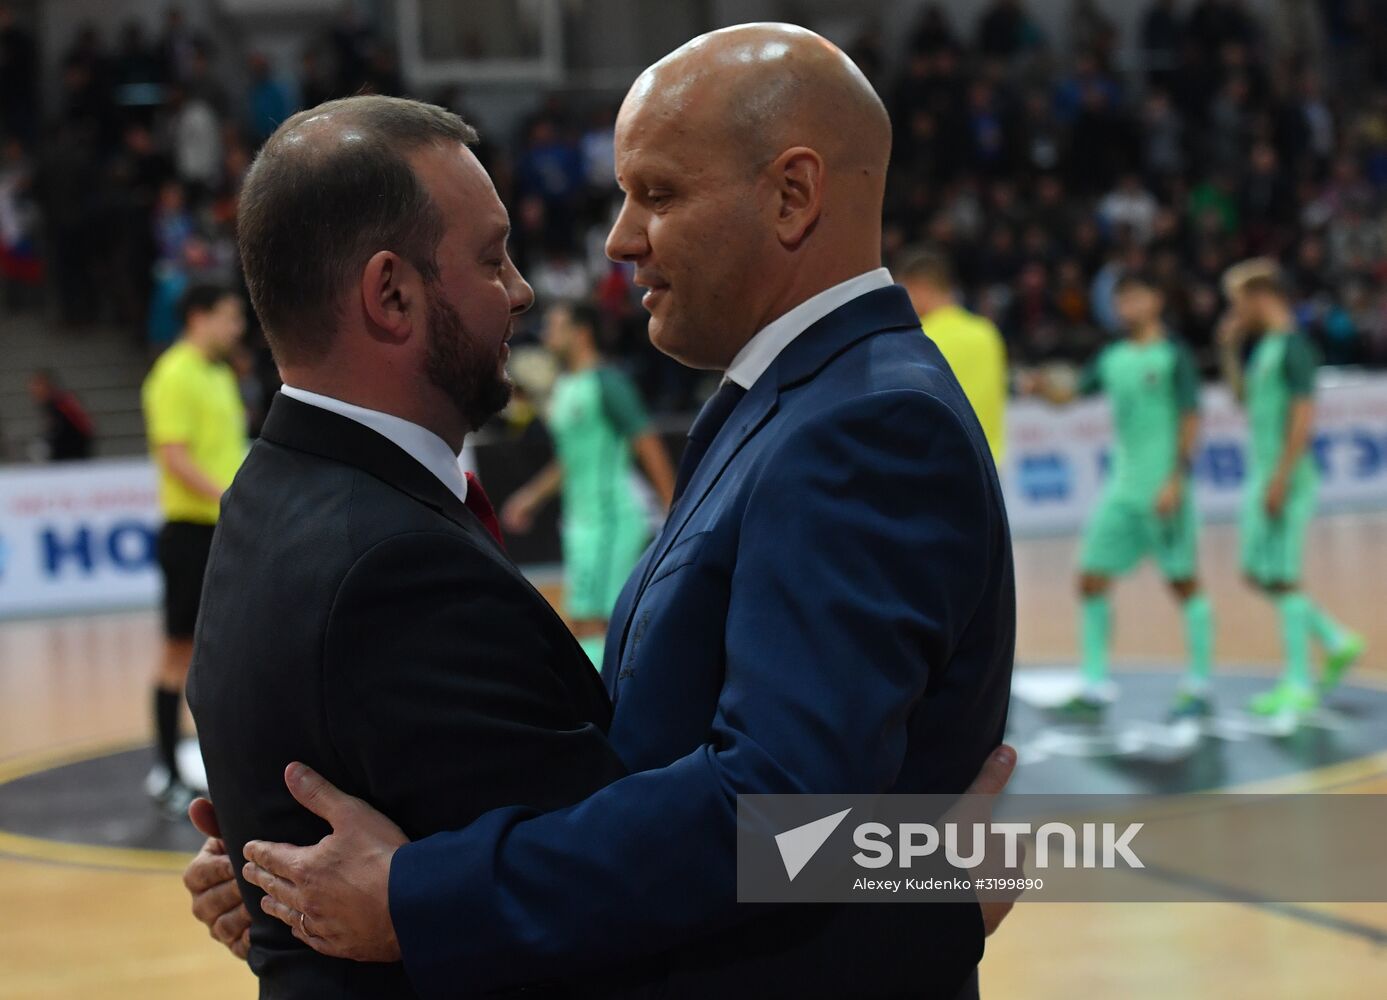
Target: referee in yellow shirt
970 343
196 426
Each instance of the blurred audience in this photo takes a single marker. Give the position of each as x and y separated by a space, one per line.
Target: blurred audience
1040 167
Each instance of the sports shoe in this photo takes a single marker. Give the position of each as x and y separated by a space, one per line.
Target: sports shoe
1337 662
1083 707
1284 699
174 798
1189 705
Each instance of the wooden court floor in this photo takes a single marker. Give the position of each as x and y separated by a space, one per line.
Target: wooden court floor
69 931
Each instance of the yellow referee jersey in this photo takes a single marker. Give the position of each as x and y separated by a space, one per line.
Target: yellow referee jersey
191 400
976 353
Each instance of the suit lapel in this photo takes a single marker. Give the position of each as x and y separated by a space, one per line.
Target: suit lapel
802 359
320 432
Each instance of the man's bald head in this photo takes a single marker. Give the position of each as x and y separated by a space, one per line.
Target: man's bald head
754 165
331 187
768 87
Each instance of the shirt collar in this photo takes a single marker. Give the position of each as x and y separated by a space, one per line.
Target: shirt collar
419 443
757 354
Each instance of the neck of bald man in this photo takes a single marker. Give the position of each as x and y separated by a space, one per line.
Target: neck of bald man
831 262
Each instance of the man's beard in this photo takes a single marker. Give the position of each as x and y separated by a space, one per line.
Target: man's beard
477 385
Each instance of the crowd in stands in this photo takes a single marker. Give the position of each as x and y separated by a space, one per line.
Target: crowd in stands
1210 137
1043 167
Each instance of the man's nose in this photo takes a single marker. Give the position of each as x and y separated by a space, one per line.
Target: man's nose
626 242
522 296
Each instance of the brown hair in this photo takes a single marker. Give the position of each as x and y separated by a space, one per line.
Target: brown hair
329 189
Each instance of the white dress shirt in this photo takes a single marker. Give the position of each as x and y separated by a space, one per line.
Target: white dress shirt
419 443
756 356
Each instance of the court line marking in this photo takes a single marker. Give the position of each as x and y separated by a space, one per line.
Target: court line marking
23 847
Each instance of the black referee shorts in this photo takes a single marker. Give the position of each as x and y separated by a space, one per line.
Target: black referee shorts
183 551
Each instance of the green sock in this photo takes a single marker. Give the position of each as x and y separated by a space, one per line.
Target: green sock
1095 625
1199 637
593 646
1327 632
1295 636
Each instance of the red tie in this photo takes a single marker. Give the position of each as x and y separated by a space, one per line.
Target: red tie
478 504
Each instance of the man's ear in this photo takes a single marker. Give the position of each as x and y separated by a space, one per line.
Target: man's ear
390 296
798 174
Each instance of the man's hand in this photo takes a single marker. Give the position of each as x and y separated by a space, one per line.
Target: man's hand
1275 498
1169 498
335 895
996 772
211 880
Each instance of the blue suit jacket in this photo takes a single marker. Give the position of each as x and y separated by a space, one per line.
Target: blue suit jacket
830 608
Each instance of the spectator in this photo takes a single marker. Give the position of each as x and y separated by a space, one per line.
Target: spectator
1267 206
1031 321
267 100
1091 30
1004 30
127 246
1163 149
176 240
200 83
196 142
933 32
986 133
19 78
68 432
560 277
21 270
1229 124
314 88
137 68
551 169
178 47
1161 38
1131 207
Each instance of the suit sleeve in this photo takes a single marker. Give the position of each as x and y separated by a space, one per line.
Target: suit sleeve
882 503
461 712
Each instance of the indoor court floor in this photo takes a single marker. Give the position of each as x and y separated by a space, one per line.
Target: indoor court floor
91 905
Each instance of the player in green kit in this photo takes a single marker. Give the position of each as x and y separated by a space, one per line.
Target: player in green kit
597 422
1277 388
1147 507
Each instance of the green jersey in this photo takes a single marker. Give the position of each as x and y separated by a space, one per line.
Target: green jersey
593 416
1151 386
1280 371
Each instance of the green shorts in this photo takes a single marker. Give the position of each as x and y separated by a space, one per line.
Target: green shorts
599 553
1122 532
1273 548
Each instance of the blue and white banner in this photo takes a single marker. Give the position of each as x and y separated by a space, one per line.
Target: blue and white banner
1057 456
81 536
78 536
